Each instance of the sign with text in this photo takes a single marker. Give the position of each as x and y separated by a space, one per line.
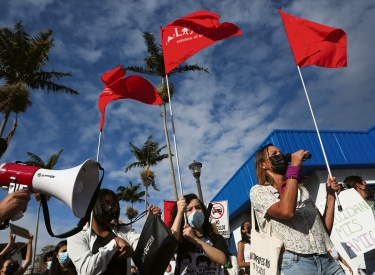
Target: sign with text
353 231
219 215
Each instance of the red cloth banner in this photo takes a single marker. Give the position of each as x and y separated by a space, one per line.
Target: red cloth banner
186 36
133 87
315 44
168 205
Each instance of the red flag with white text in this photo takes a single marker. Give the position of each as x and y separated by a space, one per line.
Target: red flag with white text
168 205
186 36
133 87
315 44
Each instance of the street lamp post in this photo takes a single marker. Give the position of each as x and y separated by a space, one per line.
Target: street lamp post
195 169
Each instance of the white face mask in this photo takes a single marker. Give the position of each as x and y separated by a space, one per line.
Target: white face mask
196 219
48 264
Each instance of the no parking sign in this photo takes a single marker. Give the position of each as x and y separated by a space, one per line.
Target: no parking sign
219 215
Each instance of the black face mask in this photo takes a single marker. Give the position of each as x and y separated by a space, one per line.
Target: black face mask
248 229
106 216
8 270
279 164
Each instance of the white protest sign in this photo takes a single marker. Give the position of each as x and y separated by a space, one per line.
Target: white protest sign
219 215
353 231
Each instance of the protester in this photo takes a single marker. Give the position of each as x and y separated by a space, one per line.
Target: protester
61 263
11 267
13 203
243 248
367 194
200 249
47 261
294 218
110 244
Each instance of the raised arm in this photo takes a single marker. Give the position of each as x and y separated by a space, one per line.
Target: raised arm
329 212
29 255
286 206
176 226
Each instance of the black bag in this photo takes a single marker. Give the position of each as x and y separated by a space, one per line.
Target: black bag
155 248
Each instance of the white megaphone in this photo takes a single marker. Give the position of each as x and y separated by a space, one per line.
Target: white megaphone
74 187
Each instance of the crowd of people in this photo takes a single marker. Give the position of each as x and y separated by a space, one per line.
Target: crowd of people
278 199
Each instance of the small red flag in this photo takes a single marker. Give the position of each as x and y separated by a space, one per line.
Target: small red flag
134 87
186 36
168 205
315 44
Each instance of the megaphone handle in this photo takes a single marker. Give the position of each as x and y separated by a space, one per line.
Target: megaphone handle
17 216
13 187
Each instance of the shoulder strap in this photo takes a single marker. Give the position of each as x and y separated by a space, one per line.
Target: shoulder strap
82 222
254 218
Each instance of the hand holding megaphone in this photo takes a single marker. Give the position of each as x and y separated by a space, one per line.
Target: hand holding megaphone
13 204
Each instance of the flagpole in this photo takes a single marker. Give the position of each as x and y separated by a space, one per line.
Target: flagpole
175 142
320 140
97 160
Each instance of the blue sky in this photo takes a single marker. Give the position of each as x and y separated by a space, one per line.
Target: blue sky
220 118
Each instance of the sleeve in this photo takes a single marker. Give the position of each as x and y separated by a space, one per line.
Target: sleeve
129 235
262 198
85 262
221 244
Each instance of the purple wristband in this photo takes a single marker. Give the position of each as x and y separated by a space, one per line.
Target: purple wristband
293 172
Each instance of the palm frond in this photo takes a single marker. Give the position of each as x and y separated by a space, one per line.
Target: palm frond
53 160
35 160
186 68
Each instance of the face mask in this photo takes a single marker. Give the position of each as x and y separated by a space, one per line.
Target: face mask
279 165
248 229
106 217
49 263
196 219
369 192
64 258
8 270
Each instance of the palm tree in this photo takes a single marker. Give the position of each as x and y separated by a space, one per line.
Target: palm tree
132 195
148 156
22 58
38 162
155 67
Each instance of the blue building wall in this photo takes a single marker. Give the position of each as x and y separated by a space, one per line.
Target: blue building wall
344 149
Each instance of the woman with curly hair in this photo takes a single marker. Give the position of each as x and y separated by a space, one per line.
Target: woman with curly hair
200 249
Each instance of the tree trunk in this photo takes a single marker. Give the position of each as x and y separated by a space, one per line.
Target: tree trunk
36 238
169 153
4 123
146 198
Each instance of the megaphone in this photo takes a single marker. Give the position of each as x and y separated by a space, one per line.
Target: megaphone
74 187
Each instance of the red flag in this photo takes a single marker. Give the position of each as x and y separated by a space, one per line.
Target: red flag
134 87
168 205
315 44
188 35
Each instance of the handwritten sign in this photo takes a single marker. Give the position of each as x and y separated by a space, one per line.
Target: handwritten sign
353 230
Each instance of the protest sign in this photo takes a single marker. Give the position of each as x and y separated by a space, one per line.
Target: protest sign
353 231
219 215
19 231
